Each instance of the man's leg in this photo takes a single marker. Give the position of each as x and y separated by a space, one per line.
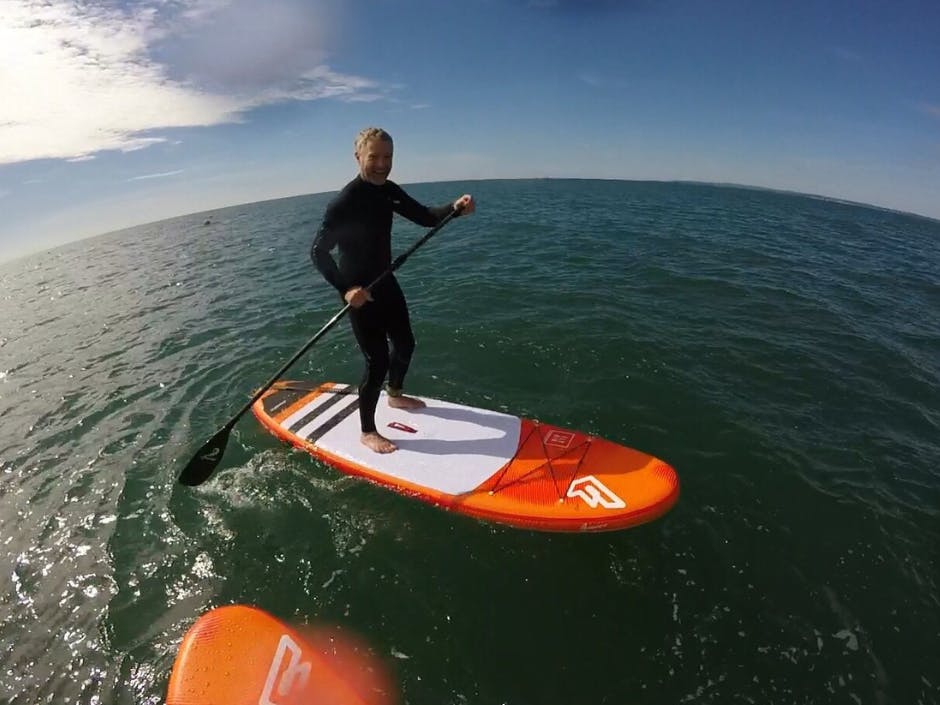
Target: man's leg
403 346
371 337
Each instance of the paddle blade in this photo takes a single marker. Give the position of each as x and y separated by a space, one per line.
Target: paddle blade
203 464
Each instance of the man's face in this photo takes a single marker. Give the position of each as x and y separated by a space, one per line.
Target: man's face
375 161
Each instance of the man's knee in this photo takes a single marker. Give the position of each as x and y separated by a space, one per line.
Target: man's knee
376 368
403 348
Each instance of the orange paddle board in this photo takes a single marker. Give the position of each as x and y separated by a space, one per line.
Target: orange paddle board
240 655
487 464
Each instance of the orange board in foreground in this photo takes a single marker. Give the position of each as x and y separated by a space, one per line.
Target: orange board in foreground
240 655
483 463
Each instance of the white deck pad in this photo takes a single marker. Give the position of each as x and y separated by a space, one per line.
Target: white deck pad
447 447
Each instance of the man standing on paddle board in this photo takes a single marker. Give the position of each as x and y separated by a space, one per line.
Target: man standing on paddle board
359 223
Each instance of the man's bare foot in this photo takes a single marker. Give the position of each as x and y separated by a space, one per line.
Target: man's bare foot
403 402
377 442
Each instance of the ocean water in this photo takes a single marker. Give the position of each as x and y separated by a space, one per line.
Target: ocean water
781 352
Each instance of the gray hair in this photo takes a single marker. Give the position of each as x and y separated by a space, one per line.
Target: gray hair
371 133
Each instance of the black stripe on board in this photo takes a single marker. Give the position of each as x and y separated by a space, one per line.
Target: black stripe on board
280 399
337 396
318 432
287 392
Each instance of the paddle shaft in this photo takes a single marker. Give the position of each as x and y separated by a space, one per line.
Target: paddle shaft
203 463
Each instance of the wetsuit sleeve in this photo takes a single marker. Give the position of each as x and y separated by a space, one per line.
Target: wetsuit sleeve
416 212
326 239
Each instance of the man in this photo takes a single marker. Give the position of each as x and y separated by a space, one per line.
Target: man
359 223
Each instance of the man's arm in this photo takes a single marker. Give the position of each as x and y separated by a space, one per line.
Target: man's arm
326 239
418 213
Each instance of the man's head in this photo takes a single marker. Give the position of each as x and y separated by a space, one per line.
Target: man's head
374 149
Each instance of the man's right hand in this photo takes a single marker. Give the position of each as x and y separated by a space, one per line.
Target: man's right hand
357 296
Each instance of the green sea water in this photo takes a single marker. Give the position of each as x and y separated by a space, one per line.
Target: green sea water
781 352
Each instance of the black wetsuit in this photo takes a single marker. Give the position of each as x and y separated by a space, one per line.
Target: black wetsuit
359 223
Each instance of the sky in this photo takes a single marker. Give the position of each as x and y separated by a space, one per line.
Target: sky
117 113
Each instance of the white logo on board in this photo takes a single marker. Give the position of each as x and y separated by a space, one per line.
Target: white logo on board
292 679
561 439
595 493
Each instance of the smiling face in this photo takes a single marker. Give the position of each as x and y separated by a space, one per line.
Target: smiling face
375 160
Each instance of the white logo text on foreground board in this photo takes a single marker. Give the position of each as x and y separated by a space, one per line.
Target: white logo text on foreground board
292 679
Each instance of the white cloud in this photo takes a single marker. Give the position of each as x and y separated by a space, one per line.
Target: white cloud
156 176
319 82
79 78
143 143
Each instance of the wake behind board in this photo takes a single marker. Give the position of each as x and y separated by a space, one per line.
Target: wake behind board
486 464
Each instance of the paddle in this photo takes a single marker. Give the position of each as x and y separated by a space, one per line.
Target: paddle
202 465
